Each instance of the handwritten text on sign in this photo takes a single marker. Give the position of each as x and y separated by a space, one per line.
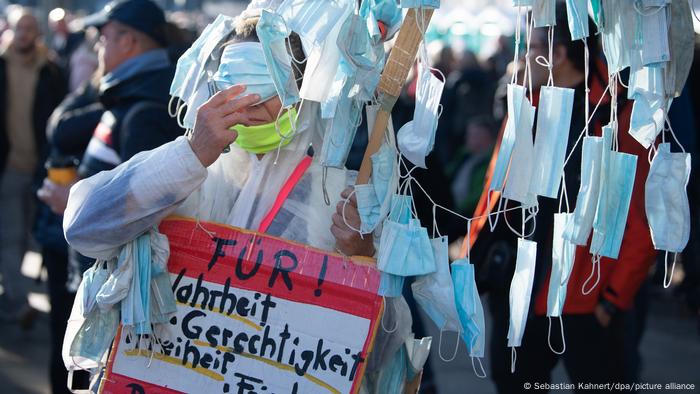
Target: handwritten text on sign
256 314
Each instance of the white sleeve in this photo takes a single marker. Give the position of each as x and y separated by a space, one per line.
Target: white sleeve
114 207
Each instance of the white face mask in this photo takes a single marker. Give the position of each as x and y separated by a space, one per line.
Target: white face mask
552 137
544 12
417 137
516 101
666 199
578 229
521 290
522 161
647 91
563 253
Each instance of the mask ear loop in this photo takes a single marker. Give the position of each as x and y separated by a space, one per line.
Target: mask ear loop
345 220
670 128
494 223
170 106
513 359
518 27
324 178
667 284
396 326
549 335
180 116
454 355
596 267
483 372
650 13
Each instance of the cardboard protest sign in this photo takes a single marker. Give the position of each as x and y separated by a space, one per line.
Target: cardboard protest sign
255 314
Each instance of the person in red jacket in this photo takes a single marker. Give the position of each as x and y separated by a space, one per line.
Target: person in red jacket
593 324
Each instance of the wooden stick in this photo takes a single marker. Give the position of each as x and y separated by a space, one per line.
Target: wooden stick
392 80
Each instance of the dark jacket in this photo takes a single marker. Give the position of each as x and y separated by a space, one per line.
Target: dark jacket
50 88
135 119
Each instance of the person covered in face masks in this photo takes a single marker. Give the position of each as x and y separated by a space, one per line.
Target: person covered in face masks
594 324
191 176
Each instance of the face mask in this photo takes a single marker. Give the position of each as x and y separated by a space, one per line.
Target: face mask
322 65
401 208
386 11
578 228
618 34
613 204
551 139
405 250
190 64
272 34
516 99
577 16
392 377
522 161
417 352
521 290
373 200
266 137
563 253
666 199
200 96
544 12
95 335
93 280
340 132
390 285
311 19
244 64
471 312
654 35
360 55
647 90
681 36
434 292
420 4
416 138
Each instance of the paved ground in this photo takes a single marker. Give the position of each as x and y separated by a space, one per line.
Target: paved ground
670 349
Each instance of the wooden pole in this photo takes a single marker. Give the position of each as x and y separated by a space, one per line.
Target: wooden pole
392 80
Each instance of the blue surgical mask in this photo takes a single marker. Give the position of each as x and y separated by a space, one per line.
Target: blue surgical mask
577 15
359 55
544 12
521 290
618 31
272 33
522 161
654 32
666 199
405 250
96 334
93 280
420 4
311 19
417 137
392 376
434 292
244 64
563 253
135 307
401 208
340 132
551 139
516 101
613 203
368 207
191 64
390 285
578 229
386 11
373 199
469 308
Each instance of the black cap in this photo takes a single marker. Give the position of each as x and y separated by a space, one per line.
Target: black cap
142 15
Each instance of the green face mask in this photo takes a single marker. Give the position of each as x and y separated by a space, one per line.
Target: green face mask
265 137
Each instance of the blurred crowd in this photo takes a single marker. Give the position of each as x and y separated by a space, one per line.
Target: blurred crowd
60 121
